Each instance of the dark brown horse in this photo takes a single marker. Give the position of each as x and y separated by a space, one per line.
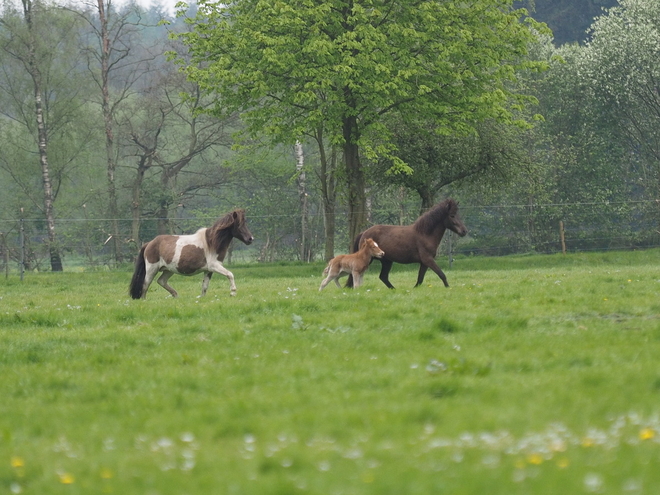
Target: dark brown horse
416 243
203 251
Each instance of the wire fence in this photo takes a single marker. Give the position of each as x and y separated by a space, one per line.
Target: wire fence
494 230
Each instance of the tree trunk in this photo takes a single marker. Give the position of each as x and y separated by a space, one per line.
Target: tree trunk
428 199
357 198
42 137
136 201
113 210
165 202
163 221
302 196
328 193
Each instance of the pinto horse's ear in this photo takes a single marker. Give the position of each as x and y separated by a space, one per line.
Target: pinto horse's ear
235 215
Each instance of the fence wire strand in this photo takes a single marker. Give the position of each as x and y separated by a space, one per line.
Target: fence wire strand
493 230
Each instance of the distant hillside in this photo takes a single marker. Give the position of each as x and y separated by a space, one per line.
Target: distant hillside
568 19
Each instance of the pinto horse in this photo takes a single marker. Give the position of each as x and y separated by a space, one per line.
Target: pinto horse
416 243
203 251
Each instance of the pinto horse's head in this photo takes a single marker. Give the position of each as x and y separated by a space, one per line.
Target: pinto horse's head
453 220
240 229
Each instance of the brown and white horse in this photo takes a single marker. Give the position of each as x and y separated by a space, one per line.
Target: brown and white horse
203 251
352 264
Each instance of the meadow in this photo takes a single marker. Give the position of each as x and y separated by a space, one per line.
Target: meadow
530 374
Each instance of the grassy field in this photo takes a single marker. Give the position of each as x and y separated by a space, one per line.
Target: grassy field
530 374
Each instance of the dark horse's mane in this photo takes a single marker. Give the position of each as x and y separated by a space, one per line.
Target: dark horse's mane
219 235
429 220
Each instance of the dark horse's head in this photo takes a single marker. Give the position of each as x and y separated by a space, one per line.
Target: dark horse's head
233 224
444 213
453 219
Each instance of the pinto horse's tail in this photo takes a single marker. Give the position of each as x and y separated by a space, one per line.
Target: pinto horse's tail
137 282
356 248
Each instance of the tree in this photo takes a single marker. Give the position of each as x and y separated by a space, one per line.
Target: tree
292 67
37 38
621 65
172 134
492 152
117 63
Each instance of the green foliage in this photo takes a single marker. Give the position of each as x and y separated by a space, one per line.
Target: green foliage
491 155
508 382
293 67
621 64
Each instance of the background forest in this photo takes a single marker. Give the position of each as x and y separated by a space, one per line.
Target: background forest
104 143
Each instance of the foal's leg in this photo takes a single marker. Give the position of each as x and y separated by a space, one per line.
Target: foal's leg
205 282
357 279
385 272
162 281
326 281
332 275
341 274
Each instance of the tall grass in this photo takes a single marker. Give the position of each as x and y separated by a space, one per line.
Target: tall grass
531 374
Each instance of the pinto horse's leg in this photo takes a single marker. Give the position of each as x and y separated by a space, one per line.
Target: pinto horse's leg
218 267
421 274
205 282
430 263
151 272
385 272
162 281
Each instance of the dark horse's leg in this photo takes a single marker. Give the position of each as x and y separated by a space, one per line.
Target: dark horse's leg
429 262
420 275
385 272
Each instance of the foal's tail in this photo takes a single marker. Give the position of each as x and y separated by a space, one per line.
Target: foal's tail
356 248
139 274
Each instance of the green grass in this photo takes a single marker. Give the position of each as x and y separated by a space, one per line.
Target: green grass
530 374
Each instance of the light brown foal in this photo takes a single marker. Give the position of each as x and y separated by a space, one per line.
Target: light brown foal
352 264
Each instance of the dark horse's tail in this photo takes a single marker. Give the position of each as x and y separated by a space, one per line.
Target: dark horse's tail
356 248
139 274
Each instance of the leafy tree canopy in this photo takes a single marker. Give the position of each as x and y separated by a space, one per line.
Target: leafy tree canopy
291 66
621 66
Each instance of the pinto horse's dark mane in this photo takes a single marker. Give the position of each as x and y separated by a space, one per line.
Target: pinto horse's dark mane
219 235
429 220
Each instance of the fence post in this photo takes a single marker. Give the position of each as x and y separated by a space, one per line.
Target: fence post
451 258
5 253
562 237
22 242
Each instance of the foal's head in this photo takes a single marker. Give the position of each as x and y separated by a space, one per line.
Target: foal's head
453 219
370 246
